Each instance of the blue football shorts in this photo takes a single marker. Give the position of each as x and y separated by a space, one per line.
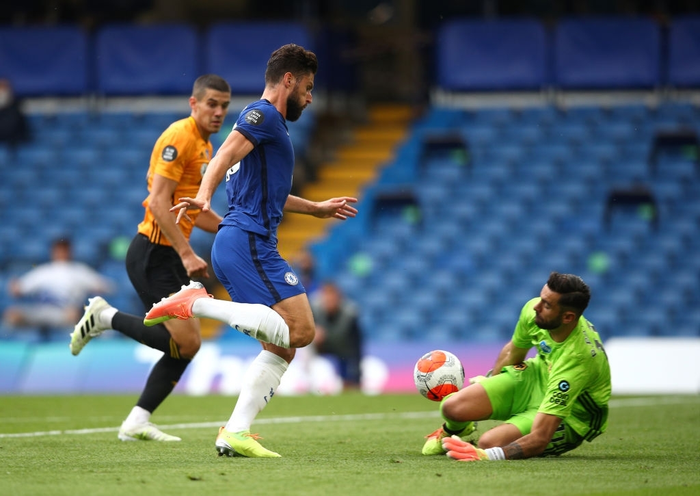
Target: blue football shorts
251 269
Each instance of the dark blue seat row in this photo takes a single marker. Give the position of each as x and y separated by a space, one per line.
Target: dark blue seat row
125 59
579 54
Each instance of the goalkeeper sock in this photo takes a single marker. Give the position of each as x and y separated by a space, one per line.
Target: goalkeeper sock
259 385
452 427
161 382
258 321
156 337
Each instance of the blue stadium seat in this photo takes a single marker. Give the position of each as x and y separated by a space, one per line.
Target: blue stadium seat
102 137
137 60
606 319
684 52
238 52
491 55
42 61
607 53
571 132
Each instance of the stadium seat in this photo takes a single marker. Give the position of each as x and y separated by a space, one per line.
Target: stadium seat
607 53
169 65
491 55
684 52
45 61
238 52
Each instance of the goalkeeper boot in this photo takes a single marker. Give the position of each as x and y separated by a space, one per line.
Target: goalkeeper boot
433 445
241 443
144 432
177 305
89 326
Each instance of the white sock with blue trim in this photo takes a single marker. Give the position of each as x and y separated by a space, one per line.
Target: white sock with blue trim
258 321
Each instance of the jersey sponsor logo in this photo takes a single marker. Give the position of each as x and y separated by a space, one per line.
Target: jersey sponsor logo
169 153
545 347
564 386
559 398
291 279
234 168
255 117
520 366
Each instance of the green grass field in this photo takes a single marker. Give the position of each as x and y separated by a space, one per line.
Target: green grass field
350 444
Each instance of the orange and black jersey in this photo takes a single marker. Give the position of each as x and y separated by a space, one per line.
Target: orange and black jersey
180 154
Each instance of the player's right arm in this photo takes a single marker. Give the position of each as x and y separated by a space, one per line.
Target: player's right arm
233 150
515 351
509 355
159 203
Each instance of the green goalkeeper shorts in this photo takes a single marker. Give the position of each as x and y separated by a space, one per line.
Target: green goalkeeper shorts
516 395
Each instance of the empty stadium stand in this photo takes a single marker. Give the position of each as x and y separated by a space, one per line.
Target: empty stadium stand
469 214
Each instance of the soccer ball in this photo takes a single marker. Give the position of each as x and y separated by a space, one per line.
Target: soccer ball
437 374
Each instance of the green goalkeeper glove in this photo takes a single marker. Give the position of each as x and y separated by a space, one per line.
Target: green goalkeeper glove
480 378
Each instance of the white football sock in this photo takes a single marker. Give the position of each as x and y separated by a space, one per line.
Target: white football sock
258 321
104 318
259 385
138 416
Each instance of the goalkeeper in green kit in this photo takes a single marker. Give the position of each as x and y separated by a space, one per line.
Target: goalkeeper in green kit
550 403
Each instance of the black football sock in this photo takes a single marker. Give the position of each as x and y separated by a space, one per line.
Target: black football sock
156 337
161 382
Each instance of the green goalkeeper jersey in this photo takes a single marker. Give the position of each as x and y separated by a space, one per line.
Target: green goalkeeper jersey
576 375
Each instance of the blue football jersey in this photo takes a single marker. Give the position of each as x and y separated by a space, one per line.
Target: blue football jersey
258 186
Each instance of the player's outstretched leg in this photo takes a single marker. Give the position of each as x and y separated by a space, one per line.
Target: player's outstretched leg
433 443
90 325
143 432
177 305
241 444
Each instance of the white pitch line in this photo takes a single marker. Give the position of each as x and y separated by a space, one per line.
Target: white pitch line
618 403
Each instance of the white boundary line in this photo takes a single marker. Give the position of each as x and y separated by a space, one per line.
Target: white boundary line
618 403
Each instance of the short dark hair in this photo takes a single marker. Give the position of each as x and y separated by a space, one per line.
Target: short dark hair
290 58
209 82
575 294
62 242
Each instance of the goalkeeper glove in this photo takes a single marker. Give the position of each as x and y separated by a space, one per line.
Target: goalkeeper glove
462 450
480 378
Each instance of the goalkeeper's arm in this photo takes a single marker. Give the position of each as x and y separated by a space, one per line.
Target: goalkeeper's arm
509 355
528 446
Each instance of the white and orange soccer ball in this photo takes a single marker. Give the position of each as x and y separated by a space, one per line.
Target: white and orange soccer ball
437 374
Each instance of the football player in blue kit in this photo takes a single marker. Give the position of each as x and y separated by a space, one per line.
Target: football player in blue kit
269 302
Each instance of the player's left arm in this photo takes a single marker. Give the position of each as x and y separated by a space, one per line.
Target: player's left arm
536 442
337 208
532 444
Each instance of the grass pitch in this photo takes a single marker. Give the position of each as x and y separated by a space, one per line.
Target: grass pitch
349 444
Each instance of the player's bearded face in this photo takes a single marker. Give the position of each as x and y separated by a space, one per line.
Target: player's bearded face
294 107
548 323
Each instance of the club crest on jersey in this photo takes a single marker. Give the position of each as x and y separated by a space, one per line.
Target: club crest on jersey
545 347
169 153
291 279
255 117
